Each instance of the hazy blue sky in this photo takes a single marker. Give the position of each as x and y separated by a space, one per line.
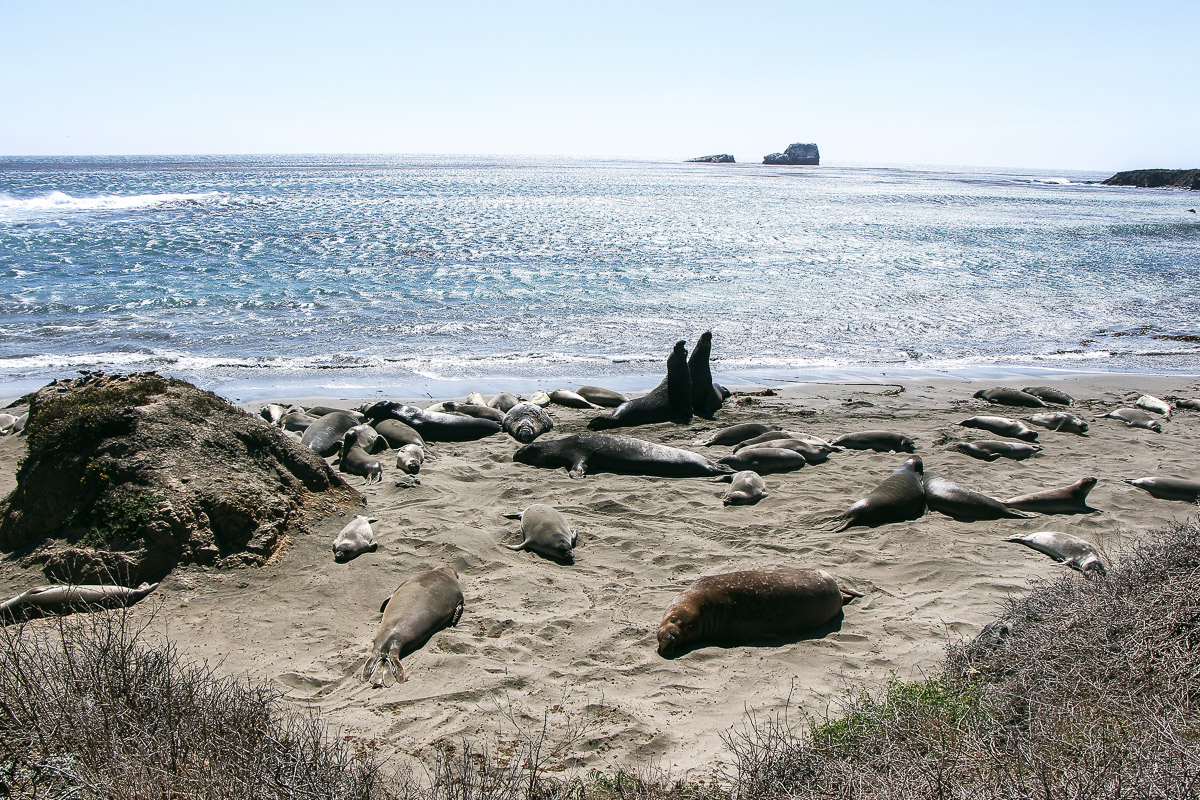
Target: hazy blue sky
1091 85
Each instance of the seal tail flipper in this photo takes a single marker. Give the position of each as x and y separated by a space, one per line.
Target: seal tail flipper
514 515
457 615
379 666
849 594
722 479
827 522
521 546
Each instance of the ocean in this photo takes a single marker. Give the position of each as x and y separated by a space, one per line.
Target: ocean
270 276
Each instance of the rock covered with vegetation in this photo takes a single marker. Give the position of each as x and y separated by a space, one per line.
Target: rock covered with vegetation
127 476
1157 178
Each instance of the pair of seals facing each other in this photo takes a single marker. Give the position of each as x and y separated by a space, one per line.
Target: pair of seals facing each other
65 598
1076 553
418 609
433 426
738 608
581 453
546 532
355 539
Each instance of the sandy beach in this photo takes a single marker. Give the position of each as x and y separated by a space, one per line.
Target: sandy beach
574 646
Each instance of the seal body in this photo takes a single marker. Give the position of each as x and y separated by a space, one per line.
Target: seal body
582 453
879 441
670 401
298 421
745 488
504 401
356 460
1076 553
1059 421
354 540
742 607
397 434
1151 403
435 426
1190 405
418 609
959 502
565 397
409 458
1135 418
736 434
476 399
707 398
1048 394
602 397
546 531
64 599
1168 488
472 410
1065 500
991 449
900 497
526 422
1002 426
764 460
813 453
325 435
1006 396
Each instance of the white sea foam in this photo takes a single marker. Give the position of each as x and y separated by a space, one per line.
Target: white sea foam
62 202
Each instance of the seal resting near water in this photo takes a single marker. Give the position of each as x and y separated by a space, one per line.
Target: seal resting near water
433 426
1006 396
526 421
670 401
1048 394
418 609
602 397
63 599
581 453
1135 418
737 608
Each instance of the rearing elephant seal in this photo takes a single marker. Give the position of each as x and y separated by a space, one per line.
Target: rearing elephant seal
706 398
418 609
900 497
582 453
526 422
670 401
743 607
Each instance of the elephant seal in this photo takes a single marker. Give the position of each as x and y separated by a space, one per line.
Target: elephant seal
526 422
737 608
813 453
565 397
1169 488
369 439
476 399
397 434
409 458
736 434
1048 394
298 421
879 441
355 539
1152 403
601 397
1076 553
540 398
706 397
901 496
325 435
991 449
64 599
582 453
1059 421
764 460
745 488
434 426
546 532
419 608
504 401
324 411
356 460
1190 405
1002 426
7 422
273 412
1064 500
670 401
959 502
472 410
1006 396
1134 418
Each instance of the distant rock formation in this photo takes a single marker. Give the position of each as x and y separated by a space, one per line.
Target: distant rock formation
797 153
720 158
1157 178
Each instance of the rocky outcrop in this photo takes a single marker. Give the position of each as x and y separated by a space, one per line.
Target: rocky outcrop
1157 178
126 476
796 153
720 158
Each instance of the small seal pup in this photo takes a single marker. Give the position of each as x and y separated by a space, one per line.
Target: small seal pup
706 397
1059 421
1064 500
1049 394
1076 553
540 398
737 608
1134 418
1151 403
409 458
765 460
64 599
959 502
736 434
991 449
1002 426
1006 396
476 399
7 421
356 460
565 397
900 497
879 441
504 401
546 532
526 422
1168 488
745 488
601 397
419 608
582 453
355 539
273 412
670 401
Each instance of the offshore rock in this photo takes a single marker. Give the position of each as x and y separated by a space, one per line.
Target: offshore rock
796 154
720 158
1157 178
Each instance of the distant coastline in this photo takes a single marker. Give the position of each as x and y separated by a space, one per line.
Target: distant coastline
1157 178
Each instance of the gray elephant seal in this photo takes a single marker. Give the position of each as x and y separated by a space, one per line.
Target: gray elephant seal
900 497
670 401
736 434
582 453
546 532
879 441
1048 394
1064 500
765 460
324 411
1002 426
409 458
298 421
273 412
472 410
813 453
957 501
1076 553
1059 421
707 398
418 609
1006 396
504 401
565 397
64 599
397 434
991 449
356 460
434 426
745 489
1168 488
526 422
325 435
1134 418
369 439
354 540
476 399
1190 405
737 608
602 397
1152 403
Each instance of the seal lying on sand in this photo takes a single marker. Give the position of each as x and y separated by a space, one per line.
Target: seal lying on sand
409 458
959 502
356 460
879 441
418 609
765 460
504 401
1134 418
813 453
1151 403
546 532
1060 421
582 453
565 397
526 422
900 497
1076 553
991 449
670 401
355 539
1002 426
1048 394
745 488
1006 396
1168 488
737 608
736 434
1064 500
325 435
434 426
601 397
63 599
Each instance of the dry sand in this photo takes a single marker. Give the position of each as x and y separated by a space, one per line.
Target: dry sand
575 645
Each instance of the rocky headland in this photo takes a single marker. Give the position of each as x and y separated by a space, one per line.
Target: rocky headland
1157 178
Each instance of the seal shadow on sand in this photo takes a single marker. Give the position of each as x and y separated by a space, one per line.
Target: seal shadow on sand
819 632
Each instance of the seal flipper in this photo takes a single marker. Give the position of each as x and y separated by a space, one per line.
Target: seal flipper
723 479
522 546
457 615
579 468
385 602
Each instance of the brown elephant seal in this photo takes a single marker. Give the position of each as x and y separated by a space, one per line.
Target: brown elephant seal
745 488
1006 396
504 401
324 411
1168 488
1002 426
1059 421
581 453
298 421
1135 418
599 396
900 497
1151 403
1076 553
355 539
409 458
1048 394
434 426
735 434
813 453
707 397
992 449
670 401
546 532
418 609
325 435
1190 405
471 410
765 460
526 422
957 501
1064 500
355 460
397 434
65 599
565 397
879 441
737 608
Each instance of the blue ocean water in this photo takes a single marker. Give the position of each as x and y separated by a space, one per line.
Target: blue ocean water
261 276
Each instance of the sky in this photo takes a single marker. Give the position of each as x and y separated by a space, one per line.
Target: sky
1054 85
